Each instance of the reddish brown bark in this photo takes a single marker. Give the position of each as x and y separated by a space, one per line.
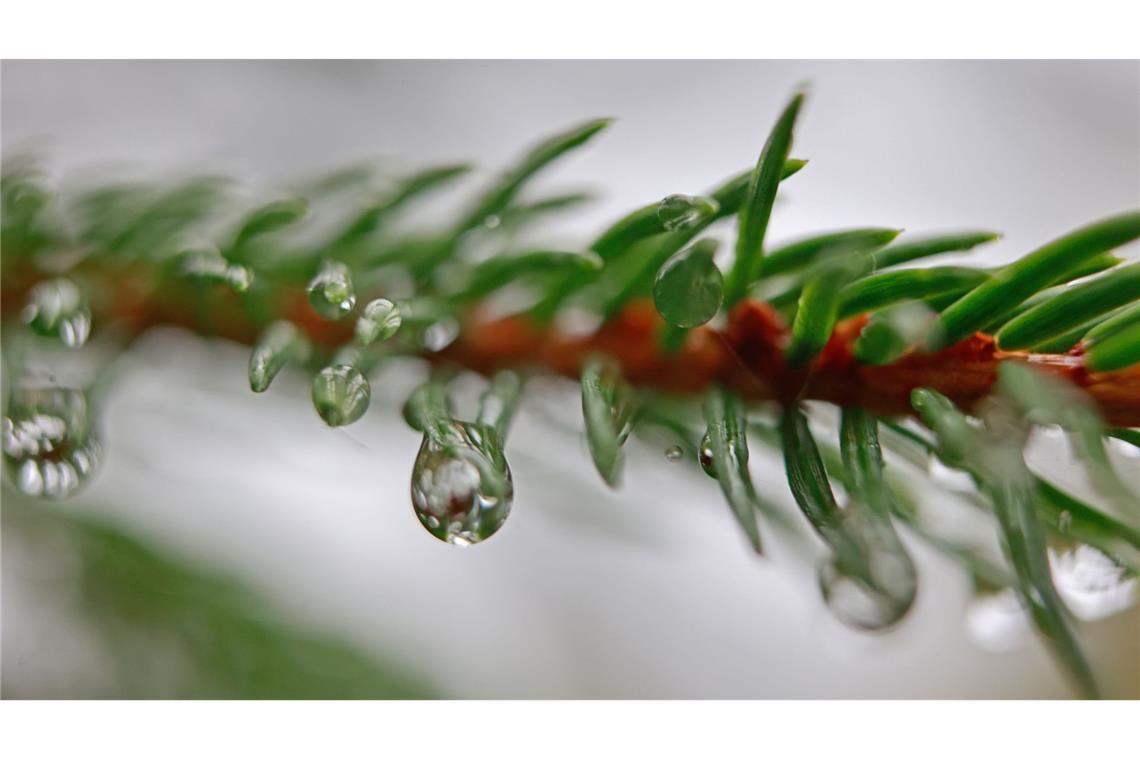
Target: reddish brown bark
747 354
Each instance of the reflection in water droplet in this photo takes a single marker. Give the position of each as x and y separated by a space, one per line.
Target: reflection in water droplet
379 320
1092 585
341 394
997 622
56 309
949 478
50 448
331 292
461 489
674 453
705 457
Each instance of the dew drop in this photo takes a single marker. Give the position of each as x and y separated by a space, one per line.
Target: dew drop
681 212
49 445
674 453
56 309
341 394
875 600
331 292
492 221
380 320
689 287
705 457
280 342
461 490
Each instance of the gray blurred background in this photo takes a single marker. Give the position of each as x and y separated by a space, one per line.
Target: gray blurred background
646 592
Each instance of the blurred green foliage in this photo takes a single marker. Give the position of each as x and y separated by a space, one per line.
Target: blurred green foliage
173 630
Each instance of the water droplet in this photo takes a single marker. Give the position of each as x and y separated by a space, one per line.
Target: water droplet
439 335
876 597
379 321
331 292
50 447
689 287
1092 585
461 490
492 221
948 477
341 394
56 309
279 343
674 453
705 457
681 212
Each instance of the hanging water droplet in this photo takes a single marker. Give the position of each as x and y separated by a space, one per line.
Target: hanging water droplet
875 598
461 489
331 292
341 394
674 453
380 320
689 287
705 457
279 343
439 335
870 581
56 309
50 447
681 212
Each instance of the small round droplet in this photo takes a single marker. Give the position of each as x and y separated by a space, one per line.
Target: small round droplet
706 458
492 221
56 309
331 292
341 394
50 447
380 320
681 212
674 453
461 491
